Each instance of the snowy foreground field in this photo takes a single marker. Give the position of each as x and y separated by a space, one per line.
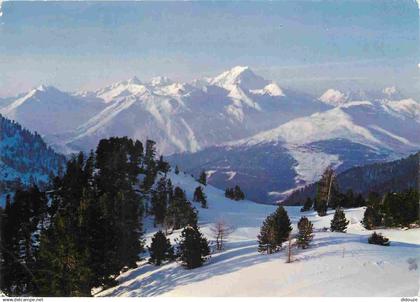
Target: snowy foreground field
336 264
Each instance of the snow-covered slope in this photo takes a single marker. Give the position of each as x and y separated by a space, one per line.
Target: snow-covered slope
386 125
336 264
394 176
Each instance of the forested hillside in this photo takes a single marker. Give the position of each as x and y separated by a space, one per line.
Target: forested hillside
25 157
87 227
392 176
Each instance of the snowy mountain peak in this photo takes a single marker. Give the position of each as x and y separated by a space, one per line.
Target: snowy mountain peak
160 81
41 87
408 108
271 89
333 97
241 76
392 93
390 90
134 81
44 89
113 92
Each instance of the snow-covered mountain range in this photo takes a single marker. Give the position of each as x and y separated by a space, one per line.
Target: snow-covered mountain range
271 163
178 116
237 125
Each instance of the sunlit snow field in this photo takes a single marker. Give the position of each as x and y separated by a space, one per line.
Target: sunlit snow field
336 264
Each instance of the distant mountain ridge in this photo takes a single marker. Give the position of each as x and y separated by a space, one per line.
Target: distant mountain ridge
394 176
49 111
180 117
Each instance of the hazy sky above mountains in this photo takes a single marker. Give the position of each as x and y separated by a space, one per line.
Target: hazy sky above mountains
310 45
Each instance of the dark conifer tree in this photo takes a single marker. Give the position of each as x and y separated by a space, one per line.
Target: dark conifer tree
308 205
160 249
305 234
266 238
62 269
203 178
135 163
283 224
349 200
159 201
339 222
21 222
149 178
229 193
200 196
238 194
170 189
274 231
151 168
401 209
162 165
321 207
176 170
114 217
359 201
193 248
373 200
234 193
180 212
150 153
371 218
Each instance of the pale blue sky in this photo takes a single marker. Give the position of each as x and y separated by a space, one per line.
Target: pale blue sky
301 44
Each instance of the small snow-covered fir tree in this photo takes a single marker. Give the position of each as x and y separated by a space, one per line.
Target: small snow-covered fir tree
339 222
